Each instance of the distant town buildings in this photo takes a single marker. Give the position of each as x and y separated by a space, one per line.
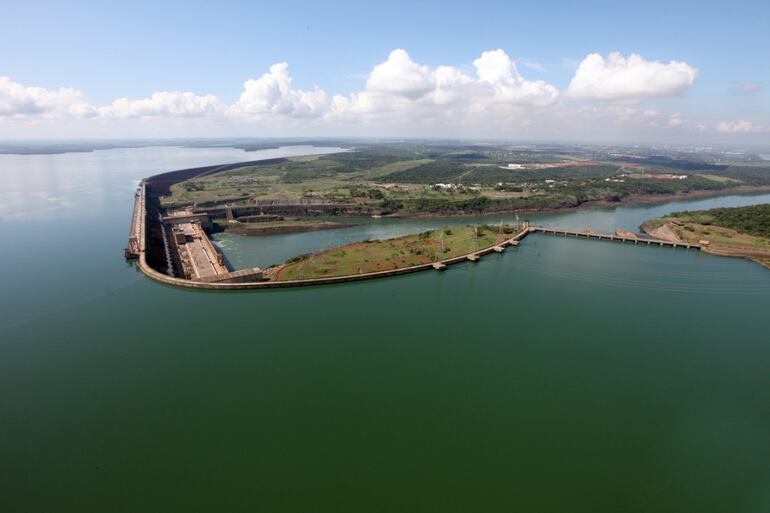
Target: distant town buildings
546 165
656 176
455 187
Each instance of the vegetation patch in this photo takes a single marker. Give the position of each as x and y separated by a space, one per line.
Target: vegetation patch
278 227
373 256
741 231
752 220
437 178
720 179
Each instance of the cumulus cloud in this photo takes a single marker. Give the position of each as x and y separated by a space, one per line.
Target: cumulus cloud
629 78
403 96
18 100
273 93
498 70
675 120
453 87
625 116
167 104
400 75
401 88
741 127
652 114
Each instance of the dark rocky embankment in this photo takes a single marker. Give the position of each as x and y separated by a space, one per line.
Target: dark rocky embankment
278 230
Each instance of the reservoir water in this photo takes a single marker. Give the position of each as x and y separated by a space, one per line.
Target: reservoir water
562 375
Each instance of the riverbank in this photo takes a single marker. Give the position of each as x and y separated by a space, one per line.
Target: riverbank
373 256
267 229
631 200
735 232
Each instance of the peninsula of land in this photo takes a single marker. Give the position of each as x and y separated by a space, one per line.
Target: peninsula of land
739 232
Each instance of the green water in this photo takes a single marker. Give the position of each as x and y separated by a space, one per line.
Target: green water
563 375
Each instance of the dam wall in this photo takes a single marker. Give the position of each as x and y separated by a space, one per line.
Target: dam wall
134 234
235 285
161 184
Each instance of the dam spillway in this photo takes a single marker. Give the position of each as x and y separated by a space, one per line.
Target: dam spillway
590 234
137 220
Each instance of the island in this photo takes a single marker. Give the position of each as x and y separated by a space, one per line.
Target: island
433 248
738 232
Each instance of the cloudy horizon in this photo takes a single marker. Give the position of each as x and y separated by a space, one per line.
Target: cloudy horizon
604 93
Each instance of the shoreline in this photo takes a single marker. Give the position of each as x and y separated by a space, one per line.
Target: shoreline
634 199
174 281
664 232
382 263
281 230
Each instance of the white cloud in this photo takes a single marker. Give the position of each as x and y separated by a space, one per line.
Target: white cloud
675 120
741 127
498 70
272 93
629 78
652 114
401 96
164 104
400 90
18 100
400 75
626 116
453 86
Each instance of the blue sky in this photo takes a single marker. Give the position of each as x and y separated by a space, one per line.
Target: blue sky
102 51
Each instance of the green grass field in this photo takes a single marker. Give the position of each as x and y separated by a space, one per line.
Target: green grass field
394 167
402 178
693 232
740 231
751 220
720 179
372 256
